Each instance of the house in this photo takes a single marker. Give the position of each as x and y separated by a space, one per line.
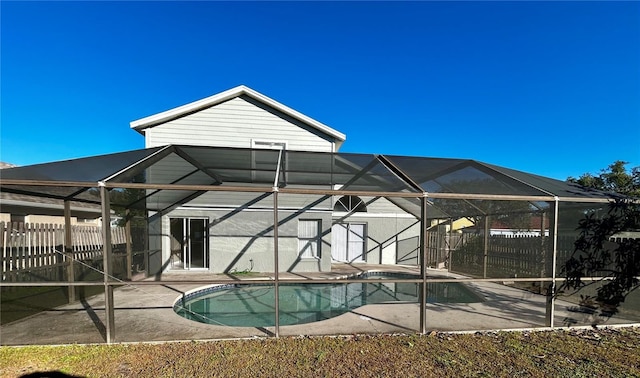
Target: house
15 207
240 182
209 232
30 209
530 226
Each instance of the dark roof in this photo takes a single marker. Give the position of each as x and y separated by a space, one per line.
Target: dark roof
89 169
192 165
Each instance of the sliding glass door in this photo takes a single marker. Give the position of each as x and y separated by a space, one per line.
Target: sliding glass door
189 243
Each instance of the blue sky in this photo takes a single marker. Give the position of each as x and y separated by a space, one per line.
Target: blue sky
551 88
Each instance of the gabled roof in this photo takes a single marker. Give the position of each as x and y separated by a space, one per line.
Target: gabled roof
241 90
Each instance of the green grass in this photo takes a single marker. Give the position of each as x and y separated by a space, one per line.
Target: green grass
575 353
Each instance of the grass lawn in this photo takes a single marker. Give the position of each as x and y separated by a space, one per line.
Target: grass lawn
611 352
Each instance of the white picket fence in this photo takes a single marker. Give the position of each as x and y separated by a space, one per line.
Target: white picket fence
37 249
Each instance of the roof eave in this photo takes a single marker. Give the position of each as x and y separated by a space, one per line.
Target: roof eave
34 206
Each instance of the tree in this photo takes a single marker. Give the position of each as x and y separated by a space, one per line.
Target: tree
615 178
128 205
608 246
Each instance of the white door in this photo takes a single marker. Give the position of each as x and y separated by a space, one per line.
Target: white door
347 242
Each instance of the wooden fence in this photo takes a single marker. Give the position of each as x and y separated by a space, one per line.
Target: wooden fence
439 246
32 252
507 256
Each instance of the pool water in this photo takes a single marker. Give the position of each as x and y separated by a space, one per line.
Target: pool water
253 305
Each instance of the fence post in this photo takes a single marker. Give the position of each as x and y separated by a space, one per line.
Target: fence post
21 248
3 245
485 252
543 245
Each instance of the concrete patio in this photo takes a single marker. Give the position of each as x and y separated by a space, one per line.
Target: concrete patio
144 313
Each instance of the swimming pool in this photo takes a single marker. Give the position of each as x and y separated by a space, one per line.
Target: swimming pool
245 305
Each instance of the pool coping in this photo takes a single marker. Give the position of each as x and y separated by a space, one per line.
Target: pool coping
180 301
217 287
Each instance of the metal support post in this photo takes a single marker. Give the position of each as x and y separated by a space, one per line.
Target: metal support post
127 231
550 265
423 264
68 251
449 245
275 261
107 266
485 248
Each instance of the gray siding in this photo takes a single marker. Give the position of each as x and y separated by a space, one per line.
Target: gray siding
379 205
248 236
155 254
236 123
392 240
389 239
392 235
242 240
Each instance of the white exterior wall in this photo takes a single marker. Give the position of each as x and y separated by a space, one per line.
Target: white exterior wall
235 123
51 219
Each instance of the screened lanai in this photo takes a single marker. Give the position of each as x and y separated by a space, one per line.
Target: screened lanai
430 243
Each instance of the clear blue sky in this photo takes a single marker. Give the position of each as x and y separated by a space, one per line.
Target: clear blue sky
551 88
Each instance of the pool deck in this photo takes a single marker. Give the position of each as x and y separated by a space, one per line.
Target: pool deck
144 313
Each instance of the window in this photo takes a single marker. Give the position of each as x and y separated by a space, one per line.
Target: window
309 238
350 204
348 242
265 163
